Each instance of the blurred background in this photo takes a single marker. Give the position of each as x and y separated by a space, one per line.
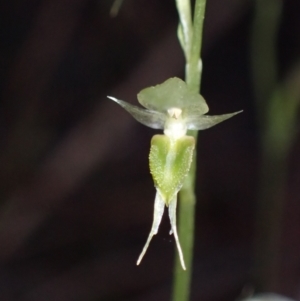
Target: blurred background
76 192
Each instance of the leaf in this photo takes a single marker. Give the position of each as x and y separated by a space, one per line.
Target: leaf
170 162
152 119
202 122
173 93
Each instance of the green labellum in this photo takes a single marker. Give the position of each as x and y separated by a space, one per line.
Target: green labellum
170 161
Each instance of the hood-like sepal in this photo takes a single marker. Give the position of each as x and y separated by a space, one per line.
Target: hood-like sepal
173 93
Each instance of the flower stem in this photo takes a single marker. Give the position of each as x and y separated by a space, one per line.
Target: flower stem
273 164
191 42
277 108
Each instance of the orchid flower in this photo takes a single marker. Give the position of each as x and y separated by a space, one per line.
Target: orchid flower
172 107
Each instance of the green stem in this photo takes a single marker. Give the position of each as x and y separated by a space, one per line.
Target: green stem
194 64
263 52
193 36
275 129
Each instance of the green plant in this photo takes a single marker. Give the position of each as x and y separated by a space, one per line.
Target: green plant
170 106
177 107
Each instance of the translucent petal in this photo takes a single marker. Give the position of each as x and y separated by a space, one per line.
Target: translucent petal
172 216
173 93
159 206
202 122
152 119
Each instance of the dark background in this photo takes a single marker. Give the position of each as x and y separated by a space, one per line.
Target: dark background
76 192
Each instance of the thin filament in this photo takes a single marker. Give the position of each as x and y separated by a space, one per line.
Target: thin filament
172 216
159 206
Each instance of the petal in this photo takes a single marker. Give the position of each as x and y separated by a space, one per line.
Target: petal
173 93
202 122
152 119
159 206
172 216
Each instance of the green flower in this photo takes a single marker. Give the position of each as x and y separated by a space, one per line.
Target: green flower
172 107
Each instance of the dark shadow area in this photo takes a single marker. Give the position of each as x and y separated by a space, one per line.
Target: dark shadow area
76 192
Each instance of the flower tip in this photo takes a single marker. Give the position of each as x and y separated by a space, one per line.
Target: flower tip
112 98
236 113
